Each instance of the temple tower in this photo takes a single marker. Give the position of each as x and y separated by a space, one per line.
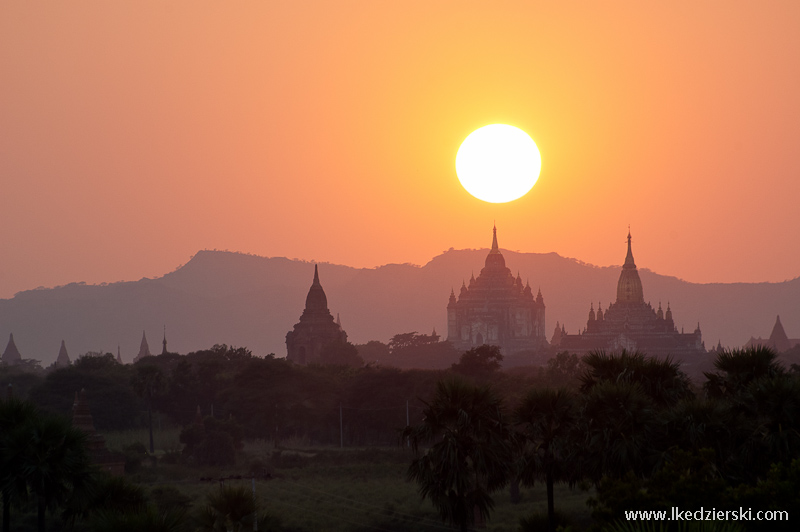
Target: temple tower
11 355
496 309
144 350
63 360
316 328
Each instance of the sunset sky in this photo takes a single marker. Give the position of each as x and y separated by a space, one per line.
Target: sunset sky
133 134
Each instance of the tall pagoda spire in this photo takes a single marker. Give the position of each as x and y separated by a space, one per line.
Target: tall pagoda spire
629 286
63 357
144 349
778 338
164 342
495 258
316 300
629 257
11 354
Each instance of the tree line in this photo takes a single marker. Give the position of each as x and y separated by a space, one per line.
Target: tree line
635 428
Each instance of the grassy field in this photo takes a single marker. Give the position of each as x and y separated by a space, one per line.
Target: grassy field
333 489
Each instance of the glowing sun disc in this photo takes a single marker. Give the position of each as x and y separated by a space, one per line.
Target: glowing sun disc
498 163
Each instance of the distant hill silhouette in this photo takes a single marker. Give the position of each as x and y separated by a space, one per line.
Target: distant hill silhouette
245 300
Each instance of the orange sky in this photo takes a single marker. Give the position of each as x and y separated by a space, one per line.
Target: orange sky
133 134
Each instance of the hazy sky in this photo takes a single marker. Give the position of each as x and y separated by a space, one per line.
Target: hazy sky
133 134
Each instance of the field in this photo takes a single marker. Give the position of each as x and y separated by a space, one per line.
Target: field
305 488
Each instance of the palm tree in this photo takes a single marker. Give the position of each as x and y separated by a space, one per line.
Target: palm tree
619 424
737 368
51 458
14 414
148 382
661 379
773 403
547 418
228 509
470 456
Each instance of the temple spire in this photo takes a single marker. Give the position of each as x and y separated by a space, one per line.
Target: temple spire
495 248
629 258
316 301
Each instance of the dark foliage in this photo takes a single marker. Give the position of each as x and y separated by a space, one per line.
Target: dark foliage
479 361
470 453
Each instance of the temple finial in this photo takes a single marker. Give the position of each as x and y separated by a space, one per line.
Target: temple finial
494 238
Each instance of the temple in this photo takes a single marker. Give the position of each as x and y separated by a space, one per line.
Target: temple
316 328
63 357
630 323
144 349
496 309
11 355
778 340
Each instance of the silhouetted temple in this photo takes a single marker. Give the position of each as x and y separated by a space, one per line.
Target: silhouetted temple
144 349
63 358
11 355
316 328
778 340
630 323
496 309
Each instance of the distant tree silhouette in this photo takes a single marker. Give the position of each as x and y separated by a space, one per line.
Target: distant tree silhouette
412 350
341 354
564 369
479 361
373 351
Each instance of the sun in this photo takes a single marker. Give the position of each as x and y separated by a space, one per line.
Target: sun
498 163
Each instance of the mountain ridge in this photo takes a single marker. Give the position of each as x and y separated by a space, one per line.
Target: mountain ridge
248 300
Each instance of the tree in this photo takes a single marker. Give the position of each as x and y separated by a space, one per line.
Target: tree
564 369
50 456
737 368
547 418
479 361
341 354
660 379
114 403
228 509
373 351
148 381
470 456
412 350
14 414
619 424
